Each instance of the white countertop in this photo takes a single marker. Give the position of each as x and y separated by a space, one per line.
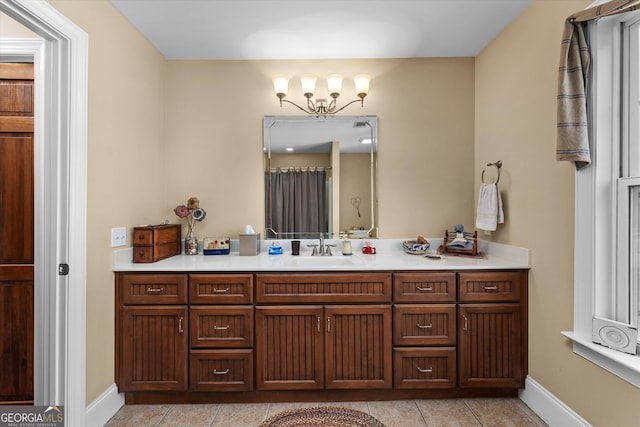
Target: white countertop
389 257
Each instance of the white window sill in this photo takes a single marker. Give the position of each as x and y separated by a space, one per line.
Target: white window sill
625 366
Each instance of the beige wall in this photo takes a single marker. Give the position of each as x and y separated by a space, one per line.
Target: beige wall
10 28
515 122
125 158
425 111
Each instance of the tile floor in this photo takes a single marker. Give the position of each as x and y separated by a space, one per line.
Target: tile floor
507 412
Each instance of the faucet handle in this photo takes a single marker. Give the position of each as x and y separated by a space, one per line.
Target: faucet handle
327 249
315 249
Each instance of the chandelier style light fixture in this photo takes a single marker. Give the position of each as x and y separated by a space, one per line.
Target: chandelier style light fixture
321 107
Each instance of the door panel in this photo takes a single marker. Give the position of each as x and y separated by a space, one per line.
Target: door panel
289 348
16 232
358 346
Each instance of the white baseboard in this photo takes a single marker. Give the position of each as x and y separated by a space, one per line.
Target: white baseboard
548 407
104 407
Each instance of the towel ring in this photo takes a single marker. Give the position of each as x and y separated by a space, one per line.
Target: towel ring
498 165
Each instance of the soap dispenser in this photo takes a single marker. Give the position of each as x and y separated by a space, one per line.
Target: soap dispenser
275 249
346 247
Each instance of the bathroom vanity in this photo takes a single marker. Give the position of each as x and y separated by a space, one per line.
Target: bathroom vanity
271 328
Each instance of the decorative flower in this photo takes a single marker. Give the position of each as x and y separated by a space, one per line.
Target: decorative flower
182 211
193 203
191 211
199 214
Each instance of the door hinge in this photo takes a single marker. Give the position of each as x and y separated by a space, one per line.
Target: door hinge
63 269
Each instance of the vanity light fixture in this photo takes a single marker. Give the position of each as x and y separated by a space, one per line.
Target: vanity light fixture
321 107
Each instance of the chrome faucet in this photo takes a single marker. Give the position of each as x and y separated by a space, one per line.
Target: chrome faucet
322 249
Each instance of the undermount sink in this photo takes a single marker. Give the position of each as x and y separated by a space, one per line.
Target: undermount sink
320 261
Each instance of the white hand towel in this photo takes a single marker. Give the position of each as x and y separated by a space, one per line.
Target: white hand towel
489 213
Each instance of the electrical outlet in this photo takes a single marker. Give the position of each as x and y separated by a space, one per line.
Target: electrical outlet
118 236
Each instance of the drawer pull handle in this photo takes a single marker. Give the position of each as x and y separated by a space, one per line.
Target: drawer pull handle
319 324
466 325
220 328
429 326
328 324
427 289
216 372
425 371
154 290
490 287
221 291
180 330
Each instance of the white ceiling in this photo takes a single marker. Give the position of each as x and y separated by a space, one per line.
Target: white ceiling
311 29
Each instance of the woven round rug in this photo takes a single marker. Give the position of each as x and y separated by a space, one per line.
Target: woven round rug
322 417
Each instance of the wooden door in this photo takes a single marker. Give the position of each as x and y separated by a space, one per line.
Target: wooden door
358 346
154 348
16 232
490 345
289 347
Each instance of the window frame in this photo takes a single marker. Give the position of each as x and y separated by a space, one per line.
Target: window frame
599 275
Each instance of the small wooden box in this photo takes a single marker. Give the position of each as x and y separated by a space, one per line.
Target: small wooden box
156 242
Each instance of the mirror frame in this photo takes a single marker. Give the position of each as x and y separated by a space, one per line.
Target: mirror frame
369 121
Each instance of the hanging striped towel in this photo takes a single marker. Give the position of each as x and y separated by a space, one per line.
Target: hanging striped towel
489 213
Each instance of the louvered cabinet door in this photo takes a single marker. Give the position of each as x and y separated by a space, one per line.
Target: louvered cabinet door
358 346
153 352
490 345
288 347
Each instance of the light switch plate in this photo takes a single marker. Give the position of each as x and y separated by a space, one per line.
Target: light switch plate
118 236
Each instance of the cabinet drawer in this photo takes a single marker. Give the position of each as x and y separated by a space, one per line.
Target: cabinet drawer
424 324
424 367
221 370
424 287
323 288
221 288
154 288
221 326
493 286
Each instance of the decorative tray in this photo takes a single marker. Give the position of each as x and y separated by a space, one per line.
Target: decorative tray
215 246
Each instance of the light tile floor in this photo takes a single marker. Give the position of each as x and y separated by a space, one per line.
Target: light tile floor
507 412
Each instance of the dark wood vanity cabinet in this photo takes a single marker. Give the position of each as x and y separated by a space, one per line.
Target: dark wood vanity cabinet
482 331
151 332
492 329
221 318
404 334
424 330
333 346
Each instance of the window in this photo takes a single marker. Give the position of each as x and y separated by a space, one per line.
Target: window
607 211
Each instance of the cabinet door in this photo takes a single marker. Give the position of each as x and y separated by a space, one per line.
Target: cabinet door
288 346
358 346
153 352
490 345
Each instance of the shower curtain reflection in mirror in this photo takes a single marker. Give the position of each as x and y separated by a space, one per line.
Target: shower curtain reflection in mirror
297 201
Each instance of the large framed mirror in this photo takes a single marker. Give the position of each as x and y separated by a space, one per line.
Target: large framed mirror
320 176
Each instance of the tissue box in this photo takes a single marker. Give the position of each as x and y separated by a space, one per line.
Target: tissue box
250 244
215 246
